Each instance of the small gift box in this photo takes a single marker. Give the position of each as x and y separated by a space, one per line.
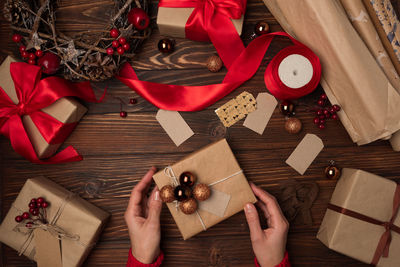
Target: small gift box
76 223
362 219
66 110
216 166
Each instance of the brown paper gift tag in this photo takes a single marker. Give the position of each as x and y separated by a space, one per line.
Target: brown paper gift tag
66 110
210 164
258 119
172 21
369 195
77 217
47 247
174 125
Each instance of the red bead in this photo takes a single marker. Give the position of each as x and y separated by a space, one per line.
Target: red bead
29 224
17 38
336 107
32 61
25 215
335 116
22 48
323 97
49 63
115 43
321 103
123 114
45 204
39 53
18 219
126 46
35 212
132 101
122 40
40 200
32 205
316 120
138 18
321 126
24 54
114 33
32 56
110 51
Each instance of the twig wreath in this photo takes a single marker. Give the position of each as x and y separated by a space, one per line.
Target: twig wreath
93 55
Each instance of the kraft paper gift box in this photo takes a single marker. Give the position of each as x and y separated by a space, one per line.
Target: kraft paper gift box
75 216
369 195
66 110
172 21
351 74
213 163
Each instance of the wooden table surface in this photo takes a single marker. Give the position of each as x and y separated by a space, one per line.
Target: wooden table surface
118 151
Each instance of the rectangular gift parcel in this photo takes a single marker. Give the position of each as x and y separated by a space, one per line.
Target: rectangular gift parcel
214 163
171 21
65 110
345 228
67 211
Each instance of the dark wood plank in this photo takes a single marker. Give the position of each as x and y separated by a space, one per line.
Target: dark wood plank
118 151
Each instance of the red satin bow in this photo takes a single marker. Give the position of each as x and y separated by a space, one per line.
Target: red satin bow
35 94
211 20
194 98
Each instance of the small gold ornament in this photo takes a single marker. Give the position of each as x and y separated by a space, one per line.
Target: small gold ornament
201 192
293 125
167 194
214 63
188 206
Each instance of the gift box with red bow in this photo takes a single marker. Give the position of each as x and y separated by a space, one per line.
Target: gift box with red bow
37 115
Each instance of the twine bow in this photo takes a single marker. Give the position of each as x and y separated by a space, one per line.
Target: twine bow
34 94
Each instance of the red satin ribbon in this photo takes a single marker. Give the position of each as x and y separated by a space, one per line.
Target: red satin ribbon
35 94
194 98
211 20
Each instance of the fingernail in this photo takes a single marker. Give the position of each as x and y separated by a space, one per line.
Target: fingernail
153 168
157 196
248 208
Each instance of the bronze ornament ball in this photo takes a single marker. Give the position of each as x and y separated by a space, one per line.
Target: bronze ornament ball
332 172
214 63
293 125
287 108
166 45
182 193
201 192
261 28
188 206
187 179
167 194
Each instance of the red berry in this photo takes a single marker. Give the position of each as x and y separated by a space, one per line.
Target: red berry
35 212
138 18
321 121
31 210
45 204
122 40
18 219
29 224
120 50
32 61
123 114
323 97
316 120
321 103
126 46
335 116
49 63
24 54
321 126
322 117
40 200
39 53
332 110
33 200
22 48
115 43
336 107
32 56
110 51
25 215
320 112
39 205
32 205
132 101
114 33
17 38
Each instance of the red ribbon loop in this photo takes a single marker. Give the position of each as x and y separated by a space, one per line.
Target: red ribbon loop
33 95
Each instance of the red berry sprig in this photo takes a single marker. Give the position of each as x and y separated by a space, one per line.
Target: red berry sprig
325 112
120 44
37 211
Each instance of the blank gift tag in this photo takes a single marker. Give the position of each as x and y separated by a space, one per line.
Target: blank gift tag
48 250
175 126
216 204
305 153
258 119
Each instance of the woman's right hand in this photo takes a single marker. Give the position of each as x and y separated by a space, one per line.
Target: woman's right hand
269 245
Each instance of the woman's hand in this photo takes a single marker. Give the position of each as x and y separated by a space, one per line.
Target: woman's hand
143 220
269 245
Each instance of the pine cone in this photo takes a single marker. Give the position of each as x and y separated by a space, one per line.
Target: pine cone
16 12
99 68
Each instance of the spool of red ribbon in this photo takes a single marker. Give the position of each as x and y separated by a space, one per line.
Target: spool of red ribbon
278 80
